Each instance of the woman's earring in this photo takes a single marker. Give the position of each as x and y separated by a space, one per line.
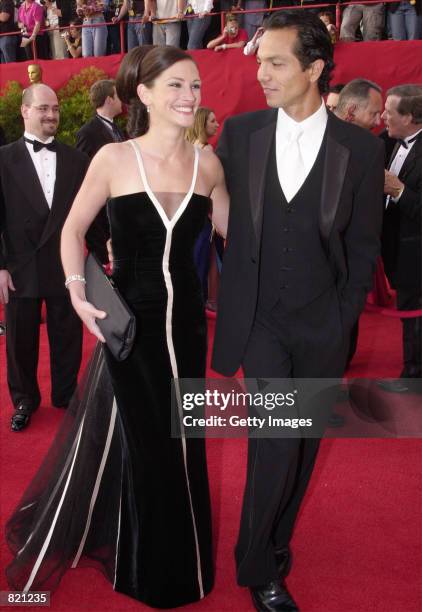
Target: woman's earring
148 109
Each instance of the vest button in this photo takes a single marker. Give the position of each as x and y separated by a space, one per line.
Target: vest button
287 250
284 287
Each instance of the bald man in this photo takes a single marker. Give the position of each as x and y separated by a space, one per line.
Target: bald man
39 178
360 102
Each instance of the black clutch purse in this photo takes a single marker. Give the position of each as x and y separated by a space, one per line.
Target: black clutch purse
119 326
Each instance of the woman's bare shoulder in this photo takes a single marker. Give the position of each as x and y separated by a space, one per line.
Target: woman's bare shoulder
209 160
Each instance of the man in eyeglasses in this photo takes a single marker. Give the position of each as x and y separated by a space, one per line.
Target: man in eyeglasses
39 178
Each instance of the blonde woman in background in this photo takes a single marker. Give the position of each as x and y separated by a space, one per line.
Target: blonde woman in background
208 250
205 126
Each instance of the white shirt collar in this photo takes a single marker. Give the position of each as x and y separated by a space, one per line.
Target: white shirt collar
104 118
315 122
411 137
32 137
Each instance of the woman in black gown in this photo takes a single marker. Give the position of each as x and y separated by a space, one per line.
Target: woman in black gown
116 490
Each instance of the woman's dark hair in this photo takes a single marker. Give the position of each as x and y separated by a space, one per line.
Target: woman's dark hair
74 23
313 40
143 65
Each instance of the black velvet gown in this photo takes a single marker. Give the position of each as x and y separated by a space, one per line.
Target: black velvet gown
116 490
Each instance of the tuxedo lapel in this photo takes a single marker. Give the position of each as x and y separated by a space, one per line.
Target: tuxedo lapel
63 186
393 154
106 133
335 166
413 157
259 151
26 177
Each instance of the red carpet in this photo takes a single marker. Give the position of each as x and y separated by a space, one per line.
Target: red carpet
358 542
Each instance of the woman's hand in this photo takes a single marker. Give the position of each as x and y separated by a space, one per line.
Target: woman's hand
88 313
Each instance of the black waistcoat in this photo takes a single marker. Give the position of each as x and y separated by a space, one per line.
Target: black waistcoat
294 269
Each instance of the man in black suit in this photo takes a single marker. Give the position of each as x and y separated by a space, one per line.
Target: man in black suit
303 237
402 229
96 133
360 102
39 178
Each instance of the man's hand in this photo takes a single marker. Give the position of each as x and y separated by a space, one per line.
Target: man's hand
392 185
25 42
5 284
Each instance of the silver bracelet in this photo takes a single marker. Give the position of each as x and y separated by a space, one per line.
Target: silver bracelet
74 277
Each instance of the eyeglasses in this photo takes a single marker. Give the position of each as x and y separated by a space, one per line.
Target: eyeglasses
44 108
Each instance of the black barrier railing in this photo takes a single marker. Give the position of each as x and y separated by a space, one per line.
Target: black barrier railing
122 23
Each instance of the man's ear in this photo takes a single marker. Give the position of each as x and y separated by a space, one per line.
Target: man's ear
316 69
24 111
350 113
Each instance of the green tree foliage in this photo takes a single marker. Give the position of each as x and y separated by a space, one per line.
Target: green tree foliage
75 107
10 113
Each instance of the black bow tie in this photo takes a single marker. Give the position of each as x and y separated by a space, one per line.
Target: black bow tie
38 145
405 144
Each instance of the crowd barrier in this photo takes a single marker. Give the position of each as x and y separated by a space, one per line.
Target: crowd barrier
122 23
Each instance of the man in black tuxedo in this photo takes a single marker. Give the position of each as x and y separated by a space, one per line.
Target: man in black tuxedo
97 132
39 178
360 102
402 229
303 237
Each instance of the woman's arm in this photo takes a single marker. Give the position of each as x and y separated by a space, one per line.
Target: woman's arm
236 45
90 199
220 197
216 41
75 50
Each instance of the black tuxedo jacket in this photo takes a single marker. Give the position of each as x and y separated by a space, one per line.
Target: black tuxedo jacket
29 230
350 217
92 136
402 228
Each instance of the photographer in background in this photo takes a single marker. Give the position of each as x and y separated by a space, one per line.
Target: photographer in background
232 37
73 39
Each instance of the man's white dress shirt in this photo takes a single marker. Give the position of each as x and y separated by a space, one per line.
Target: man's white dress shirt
297 147
45 165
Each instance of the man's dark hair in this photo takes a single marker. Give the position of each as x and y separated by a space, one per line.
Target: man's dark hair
410 100
313 40
336 89
100 91
356 91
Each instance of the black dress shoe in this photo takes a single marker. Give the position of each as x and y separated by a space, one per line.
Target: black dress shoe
273 597
283 557
21 418
394 385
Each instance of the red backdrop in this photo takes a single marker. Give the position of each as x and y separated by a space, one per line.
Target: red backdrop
229 78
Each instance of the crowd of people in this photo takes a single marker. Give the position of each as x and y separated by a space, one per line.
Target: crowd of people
71 28
303 240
